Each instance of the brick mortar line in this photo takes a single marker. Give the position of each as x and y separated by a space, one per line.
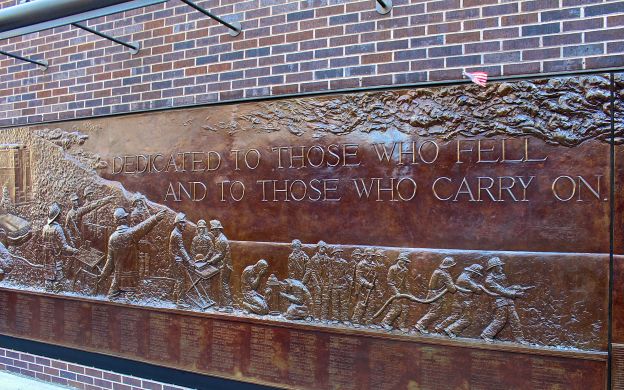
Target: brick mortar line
409 16
582 32
367 32
360 55
429 70
67 367
280 84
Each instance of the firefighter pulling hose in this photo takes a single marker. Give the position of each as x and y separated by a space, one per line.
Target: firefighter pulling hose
433 299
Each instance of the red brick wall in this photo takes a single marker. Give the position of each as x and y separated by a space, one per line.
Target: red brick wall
291 46
73 375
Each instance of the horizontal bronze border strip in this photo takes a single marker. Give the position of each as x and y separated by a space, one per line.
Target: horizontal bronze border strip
430 340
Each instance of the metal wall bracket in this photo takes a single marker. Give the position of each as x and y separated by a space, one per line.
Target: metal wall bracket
43 63
46 14
133 46
383 6
233 26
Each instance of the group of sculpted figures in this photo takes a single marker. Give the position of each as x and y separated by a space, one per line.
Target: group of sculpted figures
327 287
324 287
130 248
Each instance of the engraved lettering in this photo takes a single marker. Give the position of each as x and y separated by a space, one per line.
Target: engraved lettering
279 150
421 153
235 152
487 188
156 157
171 192
363 191
116 160
409 183
464 188
557 188
195 191
526 153
253 152
565 192
504 153
583 183
460 150
506 187
236 190
525 186
332 151
480 150
197 162
297 157
320 156
383 153
435 191
346 153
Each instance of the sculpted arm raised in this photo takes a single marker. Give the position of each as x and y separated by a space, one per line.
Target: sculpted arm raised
494 285
140 230
87 208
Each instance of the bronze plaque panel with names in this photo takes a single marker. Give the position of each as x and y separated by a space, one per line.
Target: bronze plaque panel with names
315 356
451 237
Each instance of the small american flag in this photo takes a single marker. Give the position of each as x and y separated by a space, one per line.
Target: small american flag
479 78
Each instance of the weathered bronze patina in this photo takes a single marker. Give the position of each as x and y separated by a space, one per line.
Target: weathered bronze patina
452 237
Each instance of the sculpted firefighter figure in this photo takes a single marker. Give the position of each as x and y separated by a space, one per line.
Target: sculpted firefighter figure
251 279
140 213
55 246
95 226
317 281
180 259
298 297
398 283
122 255
73 220
222 259
6 260
297 261
340 279
504 306
441 280
89 197
468 287
365 280
202 246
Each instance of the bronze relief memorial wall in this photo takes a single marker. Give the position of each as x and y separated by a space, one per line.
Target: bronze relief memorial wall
450 237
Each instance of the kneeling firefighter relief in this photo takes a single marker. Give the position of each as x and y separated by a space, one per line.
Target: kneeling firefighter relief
446 213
